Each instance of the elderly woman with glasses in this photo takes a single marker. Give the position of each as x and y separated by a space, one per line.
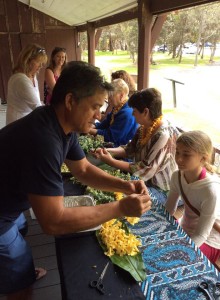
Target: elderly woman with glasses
122 74
120 125
152 149
57 62
23 92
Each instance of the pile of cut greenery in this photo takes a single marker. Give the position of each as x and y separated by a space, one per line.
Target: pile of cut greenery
102 197
90 142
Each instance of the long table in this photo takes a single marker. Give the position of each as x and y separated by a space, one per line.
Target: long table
173 264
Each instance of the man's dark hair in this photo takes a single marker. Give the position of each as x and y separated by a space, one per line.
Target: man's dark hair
149 98
81 79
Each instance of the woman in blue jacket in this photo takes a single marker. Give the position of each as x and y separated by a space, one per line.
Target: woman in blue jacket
120 125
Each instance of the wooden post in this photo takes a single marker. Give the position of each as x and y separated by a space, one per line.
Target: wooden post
144 43
77 45
91 42
156 28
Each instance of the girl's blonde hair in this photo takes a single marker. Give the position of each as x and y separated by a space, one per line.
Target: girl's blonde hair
199 142
29 52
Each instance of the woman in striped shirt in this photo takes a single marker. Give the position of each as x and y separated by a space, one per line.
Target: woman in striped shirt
152 149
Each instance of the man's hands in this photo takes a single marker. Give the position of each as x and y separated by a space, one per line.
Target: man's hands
138 202
138 187
134 205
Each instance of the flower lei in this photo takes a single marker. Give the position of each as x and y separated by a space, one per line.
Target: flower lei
143 139
116 109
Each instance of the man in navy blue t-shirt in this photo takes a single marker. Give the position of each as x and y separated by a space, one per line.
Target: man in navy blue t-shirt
31 154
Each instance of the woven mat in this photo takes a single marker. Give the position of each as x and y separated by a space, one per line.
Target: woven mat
173 263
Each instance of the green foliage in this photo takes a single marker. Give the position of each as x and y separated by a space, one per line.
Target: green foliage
89 142
102 197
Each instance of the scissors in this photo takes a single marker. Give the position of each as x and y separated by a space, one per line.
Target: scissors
98 283
204 286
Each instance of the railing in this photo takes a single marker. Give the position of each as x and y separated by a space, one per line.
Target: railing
174 81
216 158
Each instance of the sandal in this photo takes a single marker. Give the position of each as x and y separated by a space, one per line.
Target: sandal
40 273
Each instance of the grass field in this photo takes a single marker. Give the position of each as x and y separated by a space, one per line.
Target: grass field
198 99
122 60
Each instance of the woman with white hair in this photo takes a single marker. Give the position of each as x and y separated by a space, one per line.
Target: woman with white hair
120 125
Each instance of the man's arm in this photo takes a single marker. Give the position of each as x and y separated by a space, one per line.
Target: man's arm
55 219
90 175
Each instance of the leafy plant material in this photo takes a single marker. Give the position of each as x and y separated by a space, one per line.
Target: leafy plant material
132 264
90 142
102 197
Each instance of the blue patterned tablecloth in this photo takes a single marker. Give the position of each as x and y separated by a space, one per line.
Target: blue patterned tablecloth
174 265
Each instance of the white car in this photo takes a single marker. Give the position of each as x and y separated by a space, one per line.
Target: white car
190 50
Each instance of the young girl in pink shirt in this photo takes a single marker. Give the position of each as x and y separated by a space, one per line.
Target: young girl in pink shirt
199 189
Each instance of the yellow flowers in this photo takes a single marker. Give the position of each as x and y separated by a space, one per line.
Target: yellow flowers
117 240
144 138
64 168
131 220
118 195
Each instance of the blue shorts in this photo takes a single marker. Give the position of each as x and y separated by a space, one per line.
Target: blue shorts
17 270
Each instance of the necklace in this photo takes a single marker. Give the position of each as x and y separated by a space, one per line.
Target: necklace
146 133
116 109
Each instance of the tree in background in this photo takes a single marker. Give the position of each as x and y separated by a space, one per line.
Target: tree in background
199 25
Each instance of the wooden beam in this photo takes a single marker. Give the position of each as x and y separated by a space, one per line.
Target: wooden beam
91 42
118 18
156 28
161 6
77 47
144 43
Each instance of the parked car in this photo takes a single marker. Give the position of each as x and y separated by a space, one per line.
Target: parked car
162 48
190 50
207 44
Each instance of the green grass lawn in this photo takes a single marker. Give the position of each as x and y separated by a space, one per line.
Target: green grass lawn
122 60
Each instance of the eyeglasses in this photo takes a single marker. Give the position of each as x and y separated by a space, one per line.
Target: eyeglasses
41 50
38 51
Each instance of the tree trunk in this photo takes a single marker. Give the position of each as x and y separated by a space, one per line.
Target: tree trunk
199 38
